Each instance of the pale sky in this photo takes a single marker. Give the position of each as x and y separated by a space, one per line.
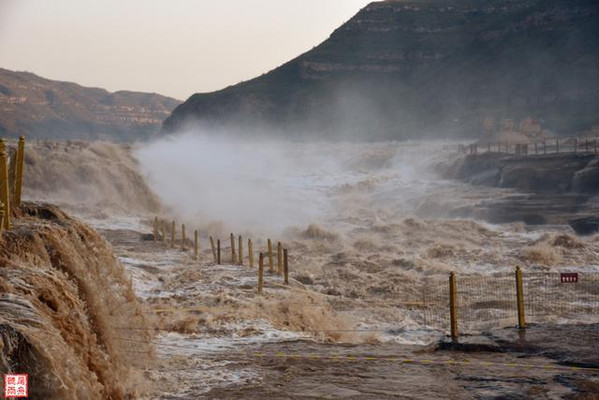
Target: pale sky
175 47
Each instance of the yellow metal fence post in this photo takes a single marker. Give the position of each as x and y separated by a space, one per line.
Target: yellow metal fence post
453 306
286 267
520 299
240 250
270 264
4 190
260 272
250 253
155 229
195 243
173 227
19 171
279 258
218 251
232 249
213 248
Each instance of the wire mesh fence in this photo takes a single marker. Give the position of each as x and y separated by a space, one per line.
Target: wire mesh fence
486 302
550 299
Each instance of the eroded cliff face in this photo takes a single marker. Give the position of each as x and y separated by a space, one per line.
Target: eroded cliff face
42 108
405 69
63 297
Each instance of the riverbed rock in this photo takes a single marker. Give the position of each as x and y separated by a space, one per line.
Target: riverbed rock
585 225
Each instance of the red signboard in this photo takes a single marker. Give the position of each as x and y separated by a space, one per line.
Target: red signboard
569 277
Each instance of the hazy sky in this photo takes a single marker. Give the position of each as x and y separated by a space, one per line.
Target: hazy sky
176 47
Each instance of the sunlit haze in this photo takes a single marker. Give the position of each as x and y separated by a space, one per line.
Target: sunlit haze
175 48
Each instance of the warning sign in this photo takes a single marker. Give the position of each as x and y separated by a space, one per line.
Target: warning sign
569 277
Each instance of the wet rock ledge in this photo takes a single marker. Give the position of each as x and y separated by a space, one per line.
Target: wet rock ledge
553 188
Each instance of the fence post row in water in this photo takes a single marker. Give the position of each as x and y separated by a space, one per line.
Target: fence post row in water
159 234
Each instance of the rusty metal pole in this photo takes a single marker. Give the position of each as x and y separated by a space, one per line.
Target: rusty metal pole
453 306
4 189
19 171
260 272
520 299
250 253
183 237
286 267
195 243
163 238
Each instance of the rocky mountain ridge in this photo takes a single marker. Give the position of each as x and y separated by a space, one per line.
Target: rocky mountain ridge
426 68
47 109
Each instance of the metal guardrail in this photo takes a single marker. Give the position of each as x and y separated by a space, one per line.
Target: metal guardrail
557 145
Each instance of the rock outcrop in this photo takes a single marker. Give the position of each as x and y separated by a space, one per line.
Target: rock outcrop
585 225
550 189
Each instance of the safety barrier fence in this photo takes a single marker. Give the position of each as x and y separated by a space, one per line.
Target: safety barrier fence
478 303
557 145
165 232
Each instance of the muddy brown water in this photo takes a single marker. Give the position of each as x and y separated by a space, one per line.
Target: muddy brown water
209 345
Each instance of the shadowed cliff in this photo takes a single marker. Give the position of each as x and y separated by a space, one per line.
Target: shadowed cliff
407 69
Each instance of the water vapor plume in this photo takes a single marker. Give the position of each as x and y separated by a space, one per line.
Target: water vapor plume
267 185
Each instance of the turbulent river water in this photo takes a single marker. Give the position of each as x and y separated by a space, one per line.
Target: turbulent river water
368 228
